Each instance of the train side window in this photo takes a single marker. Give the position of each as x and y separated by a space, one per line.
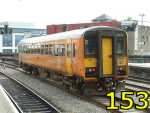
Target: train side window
51 49
60 50
73 50
22 49
63 51
28 49
32 49
120 45
69 50
46 49
19 49
56 50
42 49
25 49
38 49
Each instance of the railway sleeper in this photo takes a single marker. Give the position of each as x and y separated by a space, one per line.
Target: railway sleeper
35 107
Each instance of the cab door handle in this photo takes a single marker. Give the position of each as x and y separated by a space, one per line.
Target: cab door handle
110 56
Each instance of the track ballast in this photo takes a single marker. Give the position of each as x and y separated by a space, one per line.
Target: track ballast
25 100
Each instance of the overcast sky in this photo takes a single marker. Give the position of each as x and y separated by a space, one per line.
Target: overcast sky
43 12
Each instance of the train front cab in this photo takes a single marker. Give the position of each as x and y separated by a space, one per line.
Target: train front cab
105 57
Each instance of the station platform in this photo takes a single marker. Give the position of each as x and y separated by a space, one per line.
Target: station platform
139 65
6 105
139 70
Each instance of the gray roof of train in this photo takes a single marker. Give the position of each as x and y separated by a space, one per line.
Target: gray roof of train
65 35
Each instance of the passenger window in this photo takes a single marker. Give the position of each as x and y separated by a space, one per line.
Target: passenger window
60 50
38 48
56 50
42 49
32 49
24 49
120 46
74 50
51 49
46 49
63 51
21 48
27 49
71 50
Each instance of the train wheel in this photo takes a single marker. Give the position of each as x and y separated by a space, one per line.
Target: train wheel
82 89
120 85
66 83
79 84
34 71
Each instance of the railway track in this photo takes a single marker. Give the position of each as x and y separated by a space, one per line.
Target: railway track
138 84
141 73
25 100
101 101
139 79
11 65
97 100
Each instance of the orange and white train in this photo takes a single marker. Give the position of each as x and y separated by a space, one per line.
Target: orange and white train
94 56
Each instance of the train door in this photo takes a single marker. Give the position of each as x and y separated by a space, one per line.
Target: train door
107 65
69 57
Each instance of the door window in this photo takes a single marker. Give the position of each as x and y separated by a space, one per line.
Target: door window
120 45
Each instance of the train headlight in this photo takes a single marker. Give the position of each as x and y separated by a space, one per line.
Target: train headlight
90 71
121 70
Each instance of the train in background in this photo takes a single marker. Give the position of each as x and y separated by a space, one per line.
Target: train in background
94 56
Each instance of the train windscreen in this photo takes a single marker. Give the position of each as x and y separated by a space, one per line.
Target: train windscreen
121 45
120 48
90 44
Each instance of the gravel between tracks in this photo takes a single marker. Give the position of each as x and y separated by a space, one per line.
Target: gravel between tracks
63 100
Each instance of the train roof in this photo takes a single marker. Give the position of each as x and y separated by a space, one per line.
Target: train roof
65 35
